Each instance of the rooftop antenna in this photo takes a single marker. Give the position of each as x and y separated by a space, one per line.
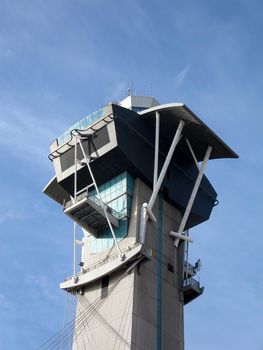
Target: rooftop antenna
197 266
130 90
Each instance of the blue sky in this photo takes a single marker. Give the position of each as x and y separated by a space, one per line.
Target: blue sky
61 60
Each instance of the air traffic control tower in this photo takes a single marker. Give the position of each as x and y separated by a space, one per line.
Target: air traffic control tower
131 176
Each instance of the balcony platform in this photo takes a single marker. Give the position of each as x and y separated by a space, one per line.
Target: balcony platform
189 270
191 290
104 267
89 214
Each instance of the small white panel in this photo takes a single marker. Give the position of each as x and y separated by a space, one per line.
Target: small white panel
143 102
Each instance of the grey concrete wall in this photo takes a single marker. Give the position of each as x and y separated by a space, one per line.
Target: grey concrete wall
106 321
128 317
145 320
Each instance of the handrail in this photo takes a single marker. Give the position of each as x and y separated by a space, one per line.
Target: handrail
52 155
94 199
189 268
102 262
111 210
190 281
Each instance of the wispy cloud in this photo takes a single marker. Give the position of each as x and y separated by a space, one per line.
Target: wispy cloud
2 300
117 91
21 203
24 135
181 76
11 214
43 287
11 209
138 22
5 304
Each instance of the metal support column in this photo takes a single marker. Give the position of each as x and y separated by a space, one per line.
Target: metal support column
186 246
156 150
76 169
176 139
178 235
75 201
194 191
122 256
147 208
74 247
192 152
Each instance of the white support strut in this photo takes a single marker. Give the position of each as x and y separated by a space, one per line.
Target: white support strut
192 152
178 237
149 212
192 197
74 247
186 256
156 149
143 221
147 208
76 169
80 243
122 256
195 189
176 139
75 201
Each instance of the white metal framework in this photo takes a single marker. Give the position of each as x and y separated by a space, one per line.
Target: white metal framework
146 209
178 235
195 189
101 203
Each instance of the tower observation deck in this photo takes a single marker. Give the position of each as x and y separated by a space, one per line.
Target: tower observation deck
131 176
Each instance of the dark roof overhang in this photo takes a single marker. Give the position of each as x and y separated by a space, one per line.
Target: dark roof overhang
195 130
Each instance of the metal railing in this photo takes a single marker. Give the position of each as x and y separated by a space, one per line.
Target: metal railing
189 269
190 281
82 124
105 260
94 199
69 143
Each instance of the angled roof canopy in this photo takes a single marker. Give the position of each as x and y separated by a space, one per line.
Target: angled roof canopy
56 192
197 132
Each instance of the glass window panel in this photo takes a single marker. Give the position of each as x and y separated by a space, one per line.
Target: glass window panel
114 193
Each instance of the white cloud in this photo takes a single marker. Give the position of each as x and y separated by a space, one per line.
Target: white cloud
136 20
181 76
19 204
5 305
2 299
24 135
117 91
41 286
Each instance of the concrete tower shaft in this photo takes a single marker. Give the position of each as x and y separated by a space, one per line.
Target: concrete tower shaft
132 177
143 308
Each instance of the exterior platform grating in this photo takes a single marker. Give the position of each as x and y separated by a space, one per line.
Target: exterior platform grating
89 214
191 289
